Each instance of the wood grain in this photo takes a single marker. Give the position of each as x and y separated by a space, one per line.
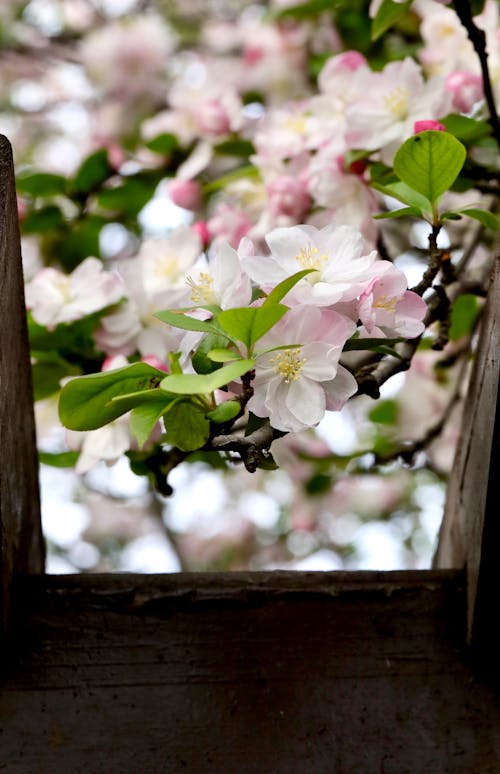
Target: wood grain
470 533
21 548
303 673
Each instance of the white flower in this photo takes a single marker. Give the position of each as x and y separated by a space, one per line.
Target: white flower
54 297
334 253
294 386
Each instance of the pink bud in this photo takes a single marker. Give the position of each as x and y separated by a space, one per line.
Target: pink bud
424 126
185 193
21 209
252 55
213 118
201 228
116 155
467 89
354 168
155 361
351 60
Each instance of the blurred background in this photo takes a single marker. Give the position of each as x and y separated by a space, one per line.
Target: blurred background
91 94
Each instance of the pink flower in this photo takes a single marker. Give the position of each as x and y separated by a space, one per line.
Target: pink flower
288 196
295 386
229 224
467 89
387 308
335 254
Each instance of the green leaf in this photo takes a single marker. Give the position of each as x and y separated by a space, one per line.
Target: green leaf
86 402
466 129
429 162
41 184
201 360
385 412
235 147
488 219
463 316
46 220
92 173
404 212
248 325
387 15
246 171
133 399
66 459
200 384
187 323
223 355
187 427
47 372
144 417
80 241
405 194
224 412
307 10
163 144
129 197
280 291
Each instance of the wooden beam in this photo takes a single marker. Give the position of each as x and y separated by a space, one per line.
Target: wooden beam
21 545
470 533
245 672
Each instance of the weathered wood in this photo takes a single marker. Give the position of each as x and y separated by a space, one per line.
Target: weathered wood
279 672
21 547
470 533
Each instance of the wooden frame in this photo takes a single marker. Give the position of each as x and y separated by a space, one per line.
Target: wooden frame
247 672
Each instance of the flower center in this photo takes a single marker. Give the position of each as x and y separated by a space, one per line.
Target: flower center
288 364
396 102
203 289
388 304
308 258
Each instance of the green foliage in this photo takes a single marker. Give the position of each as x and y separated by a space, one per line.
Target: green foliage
249 325
92 173
385 412
66 459
144 417
201 360
235 147
202 384
464 313
467 130
429 163
47 371
224 412
387 15
46 220
308 10
186 426
41 184
86 403
163 144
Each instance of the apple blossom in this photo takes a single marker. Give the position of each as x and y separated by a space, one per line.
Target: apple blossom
387 308
335 254
55 297
294 386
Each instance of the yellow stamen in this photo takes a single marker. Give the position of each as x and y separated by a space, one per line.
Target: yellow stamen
288 364
308 258
202 291
397 102
388 304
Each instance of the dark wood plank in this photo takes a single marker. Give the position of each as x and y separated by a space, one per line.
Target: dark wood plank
21 548
470 534
307 673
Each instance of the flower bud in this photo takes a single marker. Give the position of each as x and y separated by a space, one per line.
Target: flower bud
424 126
185 193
